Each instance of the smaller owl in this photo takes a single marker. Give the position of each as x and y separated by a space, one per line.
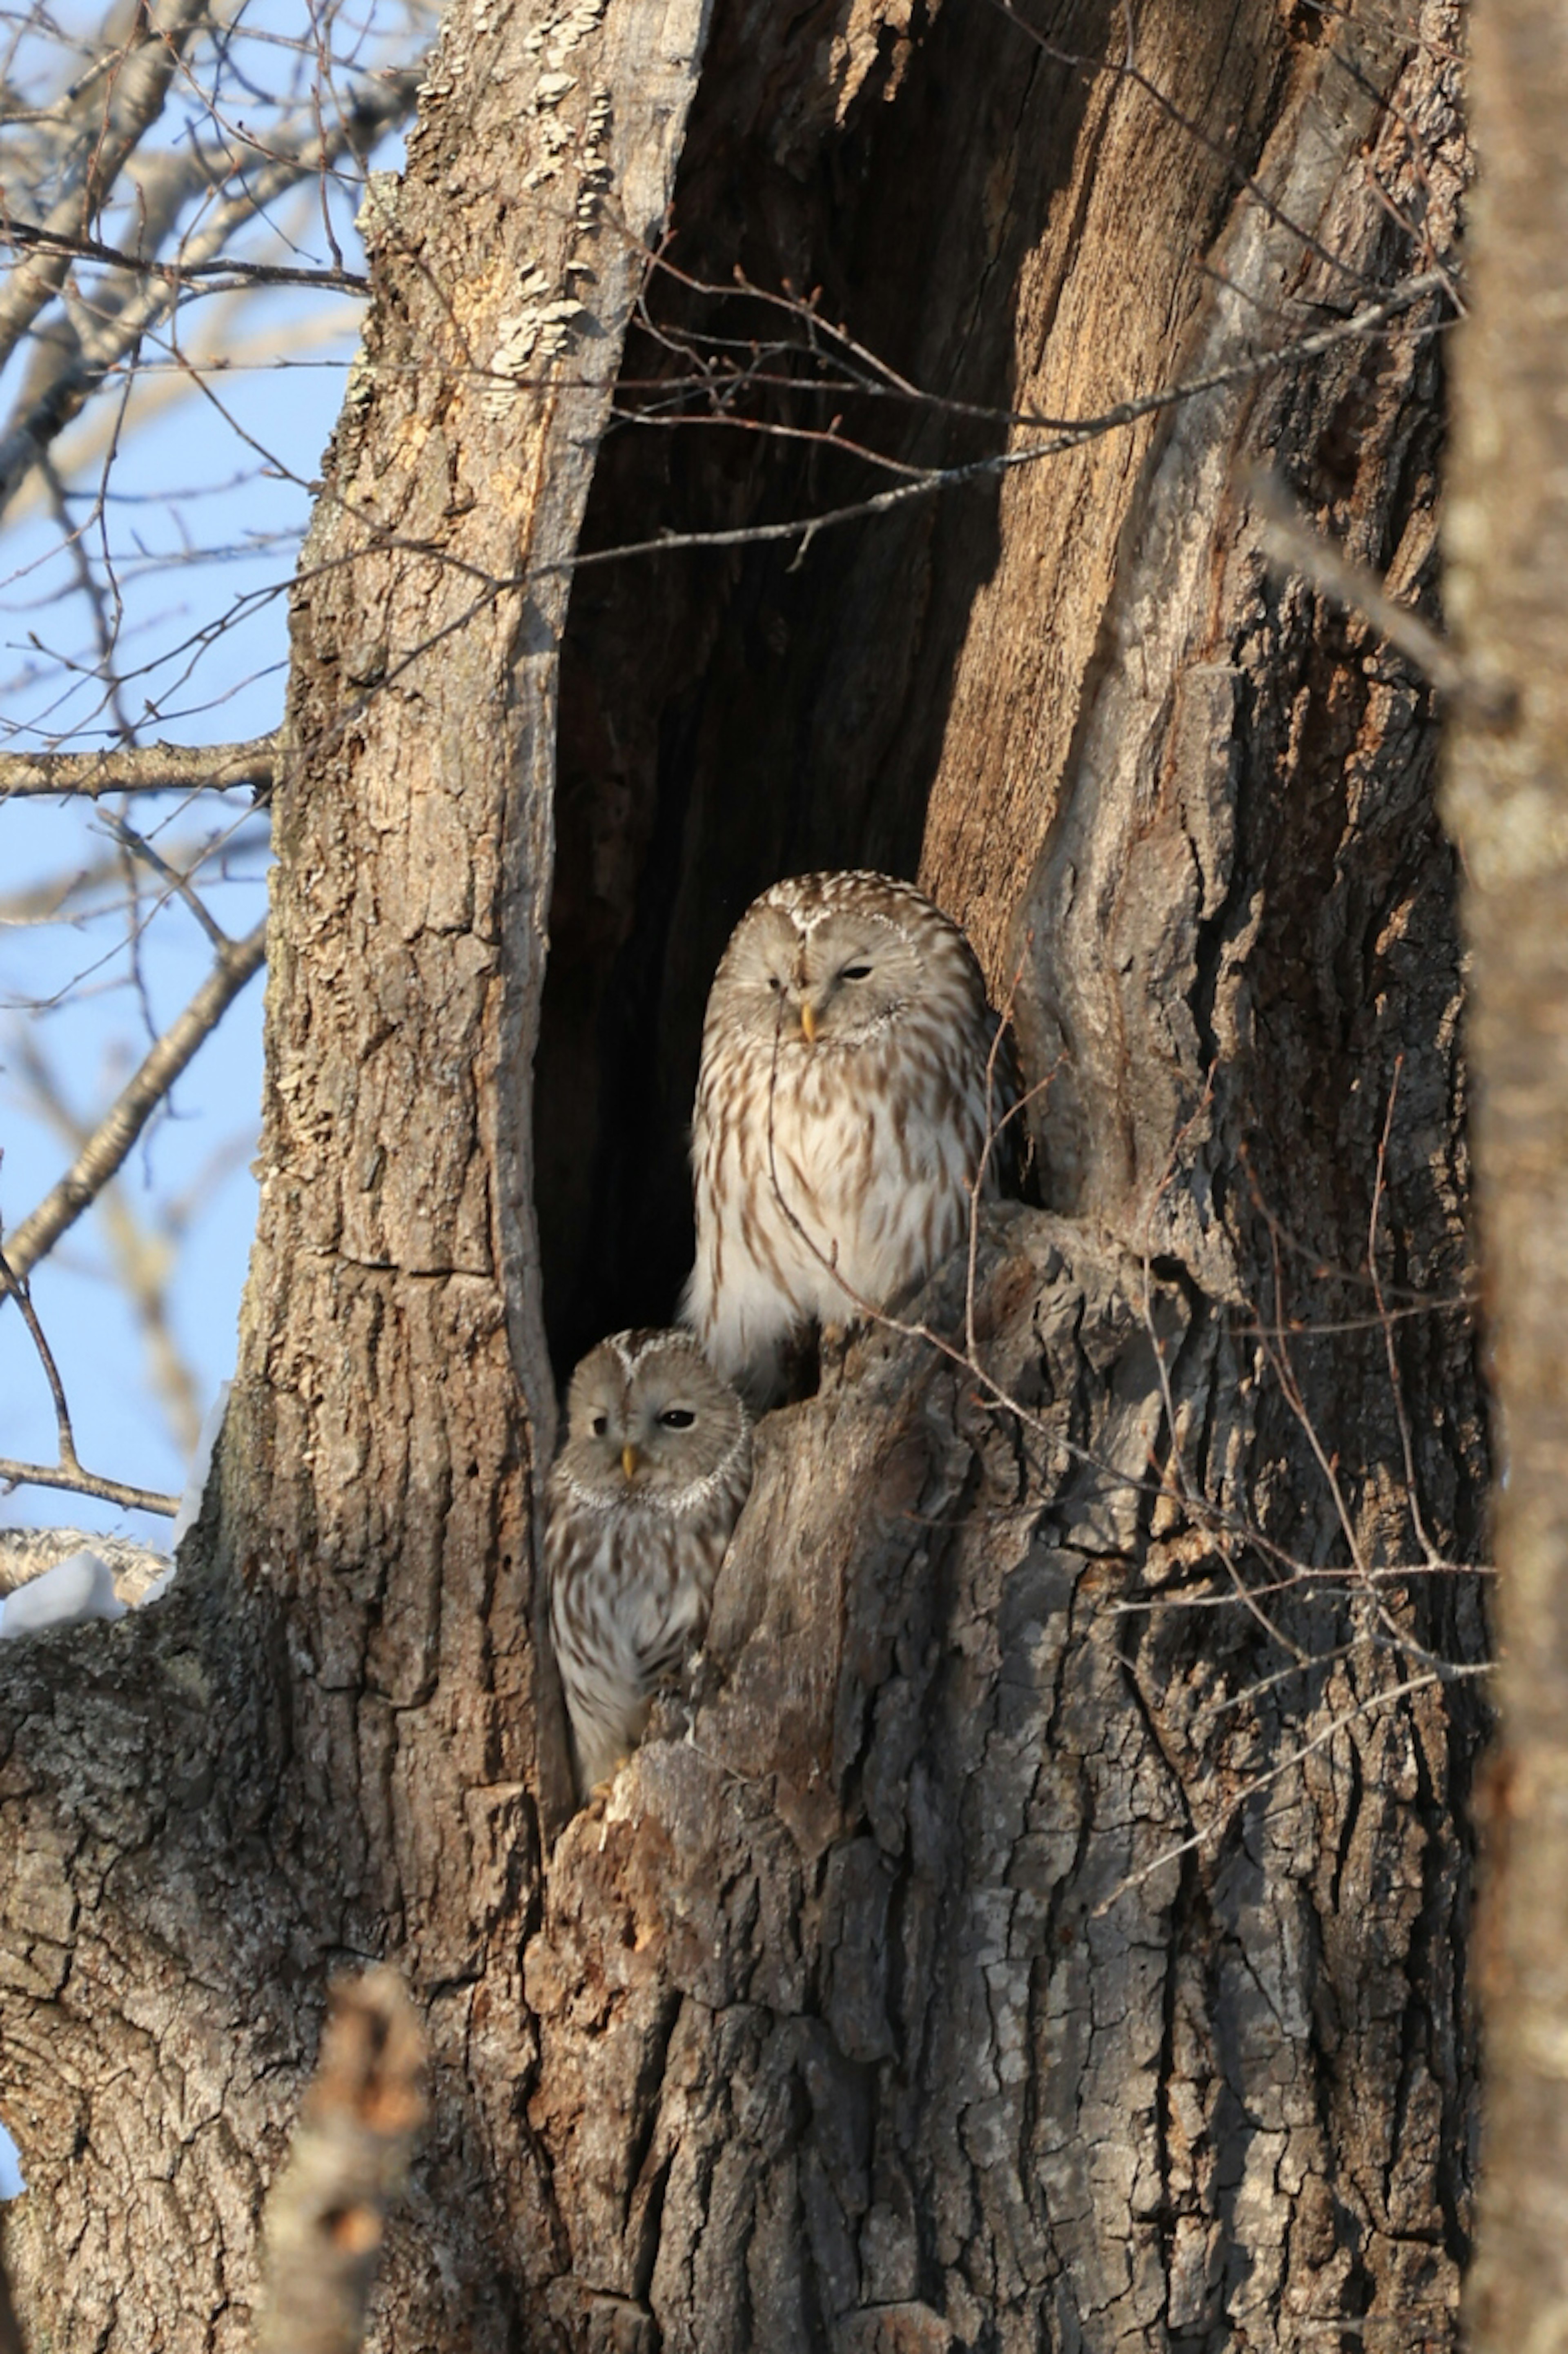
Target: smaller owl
648 1485
845 1102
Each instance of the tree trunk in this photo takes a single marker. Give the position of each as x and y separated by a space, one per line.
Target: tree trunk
1507 805
1044 1923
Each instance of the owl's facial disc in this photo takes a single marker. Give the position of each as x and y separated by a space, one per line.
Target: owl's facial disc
649 1422
649 1431
856 974
836 979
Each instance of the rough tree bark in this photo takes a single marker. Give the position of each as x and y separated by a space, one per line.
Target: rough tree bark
1043 1924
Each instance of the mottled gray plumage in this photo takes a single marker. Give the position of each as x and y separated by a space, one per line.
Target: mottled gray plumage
642 1497
842 1114
25 1554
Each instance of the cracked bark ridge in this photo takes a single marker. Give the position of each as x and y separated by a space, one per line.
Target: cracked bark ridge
878 2008
1168 945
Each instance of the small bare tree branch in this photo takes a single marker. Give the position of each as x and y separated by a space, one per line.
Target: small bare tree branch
140 769
17 1290
231 272
327 2213
142 1256
116 1133
53 404
137 96
78 1480
69 1472
805 528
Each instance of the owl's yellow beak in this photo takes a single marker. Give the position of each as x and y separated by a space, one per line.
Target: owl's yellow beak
808 1022
630 1461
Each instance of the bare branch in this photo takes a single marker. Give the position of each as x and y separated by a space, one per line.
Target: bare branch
78 1481
69 1472
229 272
1071 436
137 94
1223 150
140 769
1448 1672
160 383
116 1133
17 1290
142 1259
178 881
62 397
327 2213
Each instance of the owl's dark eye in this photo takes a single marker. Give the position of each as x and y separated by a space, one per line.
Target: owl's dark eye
677 1417
600 1425
774 982
855 972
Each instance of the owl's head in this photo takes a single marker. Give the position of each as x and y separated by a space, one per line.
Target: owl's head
833 960
648 1419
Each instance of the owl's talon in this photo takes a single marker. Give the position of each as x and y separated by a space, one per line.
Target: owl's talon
833 1348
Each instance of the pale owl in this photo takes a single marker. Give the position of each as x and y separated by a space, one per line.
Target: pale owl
642 1497
842 1114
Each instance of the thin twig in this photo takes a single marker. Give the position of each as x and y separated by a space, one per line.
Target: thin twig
144 1256
52 405
175 274
1128 68
179 882
943 477
116 1133
69 1472
139 92
1447 1672
18 1291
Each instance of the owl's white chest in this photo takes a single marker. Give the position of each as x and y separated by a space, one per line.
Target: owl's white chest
868 1179
827 1182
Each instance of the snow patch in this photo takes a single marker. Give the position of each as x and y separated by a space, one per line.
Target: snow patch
78 1588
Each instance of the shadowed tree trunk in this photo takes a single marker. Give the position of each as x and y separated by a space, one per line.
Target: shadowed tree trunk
1043 1921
